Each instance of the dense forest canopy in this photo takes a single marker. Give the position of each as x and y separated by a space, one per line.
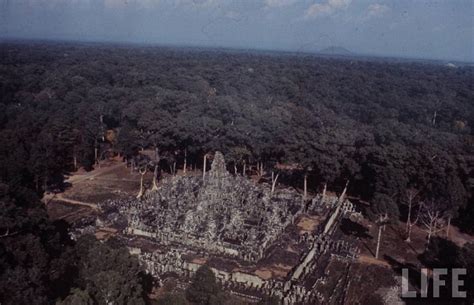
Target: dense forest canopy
385 126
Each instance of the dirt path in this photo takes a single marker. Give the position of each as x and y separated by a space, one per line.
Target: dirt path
92 174
60 197
370 260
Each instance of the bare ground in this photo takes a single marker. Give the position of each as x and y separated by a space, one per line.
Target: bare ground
111 180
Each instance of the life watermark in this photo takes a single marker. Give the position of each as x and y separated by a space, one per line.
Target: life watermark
439 278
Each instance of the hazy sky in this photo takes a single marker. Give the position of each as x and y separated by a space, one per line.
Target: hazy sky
409 28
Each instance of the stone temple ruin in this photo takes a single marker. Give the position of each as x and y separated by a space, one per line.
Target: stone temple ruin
250 236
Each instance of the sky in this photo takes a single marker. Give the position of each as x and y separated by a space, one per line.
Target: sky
431 29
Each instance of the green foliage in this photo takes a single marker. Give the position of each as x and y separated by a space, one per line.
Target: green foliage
466 215
173 299
204 289
77 297
35 254
383 205
39 263
370 124
109 273
442 253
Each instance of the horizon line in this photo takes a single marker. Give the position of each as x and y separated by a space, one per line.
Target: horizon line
353 54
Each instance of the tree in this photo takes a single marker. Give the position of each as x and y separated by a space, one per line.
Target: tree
382 204
35 261
442 253
383 211
239 155
108 272
433 219
142 172
77 297
274 181
381 222
112 287
203 288
411 194
173 299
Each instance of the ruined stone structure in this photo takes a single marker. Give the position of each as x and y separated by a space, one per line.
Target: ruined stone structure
224 214
237 227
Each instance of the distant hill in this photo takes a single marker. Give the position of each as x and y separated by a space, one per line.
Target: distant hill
336 51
